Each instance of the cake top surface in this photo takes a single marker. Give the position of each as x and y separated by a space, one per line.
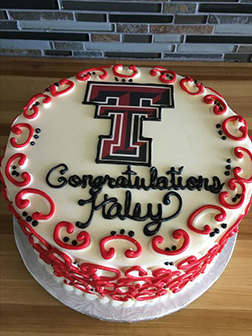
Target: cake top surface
129 166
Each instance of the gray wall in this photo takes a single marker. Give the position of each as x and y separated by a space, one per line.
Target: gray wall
147 29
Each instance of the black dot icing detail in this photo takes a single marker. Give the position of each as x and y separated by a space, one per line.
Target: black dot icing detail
167 249
234 199
32 143
74 242
113 233
47 90
130 80
37 103
15 173
36 136
228 167
216 230
131 233
224 225
238 196
166 263
227 173
212 234
28 218
65 239
218 125
224 137
123 80
220 132
81 202
37 130
116 79
122 231
171 263
24 213
34 223
93 73
56 84
174 247
14 167
229 160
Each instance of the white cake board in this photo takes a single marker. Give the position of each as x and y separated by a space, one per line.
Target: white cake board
108 312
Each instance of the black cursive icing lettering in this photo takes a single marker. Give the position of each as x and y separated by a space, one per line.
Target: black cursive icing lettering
62 179
111 208
130 180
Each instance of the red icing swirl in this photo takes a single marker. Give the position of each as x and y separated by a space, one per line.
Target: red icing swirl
63 82
25 176
207 229
83 237
177 234
17 129
108 254
166 76
184 87
32 105
242 129
24 203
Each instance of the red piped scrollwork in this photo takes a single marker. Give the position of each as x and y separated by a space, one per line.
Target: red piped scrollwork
24 203
166 76
118 67
63 82
207 229
232 185
17 129
237 170
25 176
183 84
177 234
220 107
33 105
91 269
242 129
108 254
86 74
83 237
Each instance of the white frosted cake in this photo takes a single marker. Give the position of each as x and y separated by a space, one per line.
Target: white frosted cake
128 181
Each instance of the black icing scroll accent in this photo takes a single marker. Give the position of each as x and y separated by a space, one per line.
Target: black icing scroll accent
157 224
60 179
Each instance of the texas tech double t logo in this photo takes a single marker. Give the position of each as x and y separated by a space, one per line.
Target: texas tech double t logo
128 106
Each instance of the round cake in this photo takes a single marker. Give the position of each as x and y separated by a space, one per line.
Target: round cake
128 181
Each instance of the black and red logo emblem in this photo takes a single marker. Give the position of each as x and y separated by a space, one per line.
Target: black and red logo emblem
128 106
